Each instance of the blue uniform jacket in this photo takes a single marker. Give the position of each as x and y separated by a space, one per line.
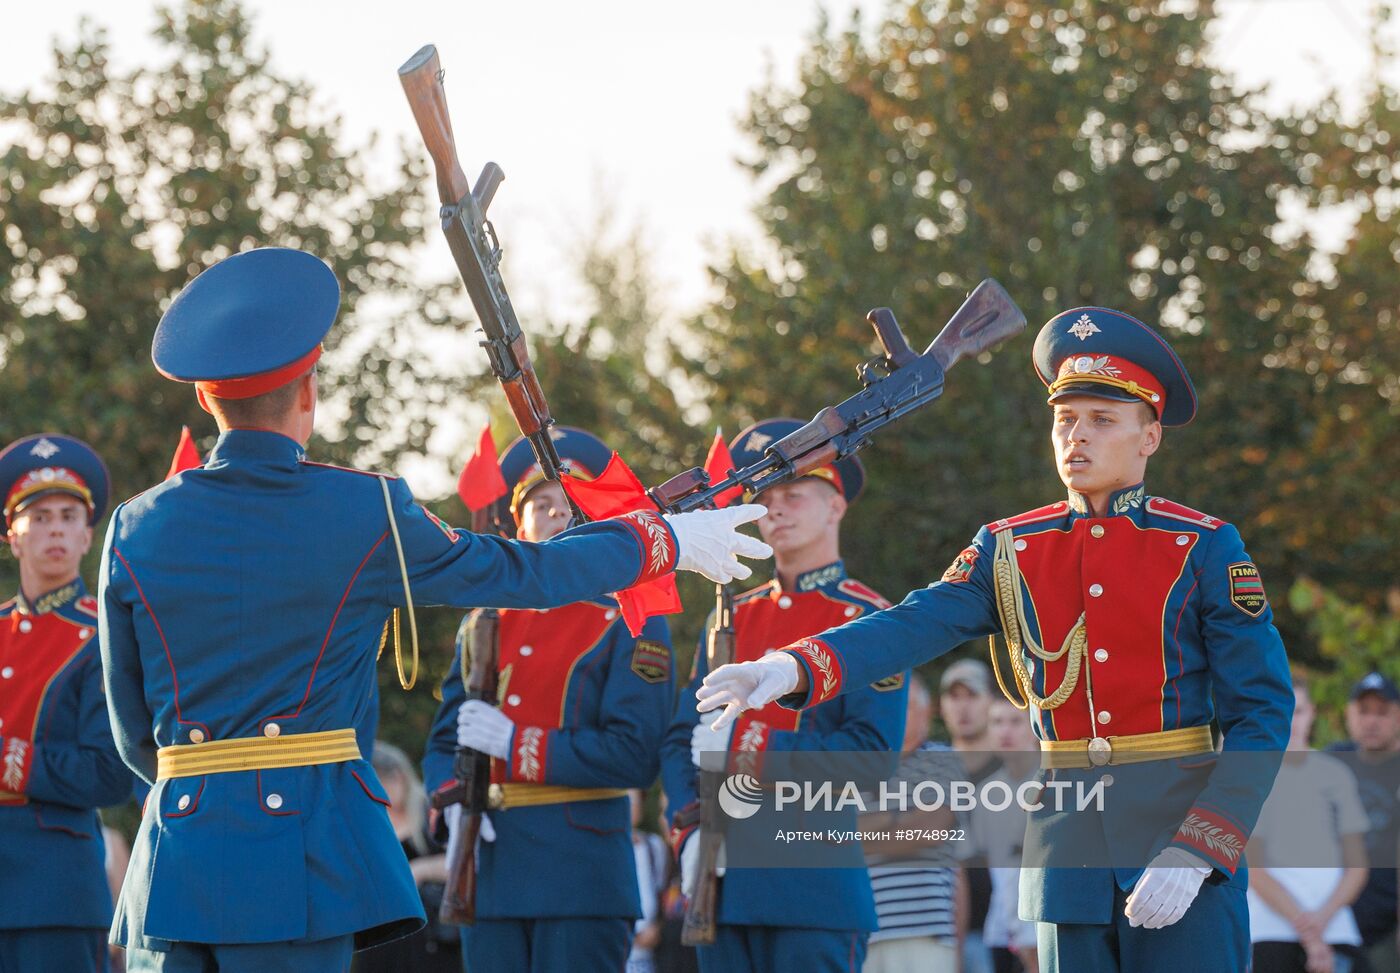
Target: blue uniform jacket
247 598
869 718
1179 635
57 763
590 704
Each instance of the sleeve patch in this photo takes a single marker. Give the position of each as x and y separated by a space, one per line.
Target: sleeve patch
889 683
961 568
651 661
1247 588
451 534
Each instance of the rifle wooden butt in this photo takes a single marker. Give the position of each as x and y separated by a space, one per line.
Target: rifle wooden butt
699 925
987 317
420 76
459 897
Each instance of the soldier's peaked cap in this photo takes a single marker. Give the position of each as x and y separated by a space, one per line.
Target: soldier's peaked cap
50 463
846 475
1112 355
584 455
249 324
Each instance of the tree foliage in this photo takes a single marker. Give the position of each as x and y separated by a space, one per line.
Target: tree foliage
117 187
1086 153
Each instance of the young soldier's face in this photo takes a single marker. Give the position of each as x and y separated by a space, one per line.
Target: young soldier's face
800 514
544 513
49 538
1102 445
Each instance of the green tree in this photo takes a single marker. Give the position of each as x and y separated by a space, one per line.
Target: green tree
1352 640
1088 153
117 187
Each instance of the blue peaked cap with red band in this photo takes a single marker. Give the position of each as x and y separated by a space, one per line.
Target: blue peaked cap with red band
846 475
50 463
1112 355
248 324
583 454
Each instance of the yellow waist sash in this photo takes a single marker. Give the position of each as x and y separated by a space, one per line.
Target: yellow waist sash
256 753
1130 749
502 797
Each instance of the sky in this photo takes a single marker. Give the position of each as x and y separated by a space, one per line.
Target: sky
622 105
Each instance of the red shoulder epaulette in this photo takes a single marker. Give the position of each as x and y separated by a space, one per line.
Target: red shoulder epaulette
1179 511
1047 512
87 604
861 592
347 469
753 593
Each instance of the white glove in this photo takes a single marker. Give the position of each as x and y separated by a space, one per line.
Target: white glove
708 543
484 728
708 746
453 814
690 863
747 685
1166 889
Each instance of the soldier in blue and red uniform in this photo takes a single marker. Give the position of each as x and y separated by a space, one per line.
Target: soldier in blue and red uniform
583 706
58 763
1133 623
815 919
242 605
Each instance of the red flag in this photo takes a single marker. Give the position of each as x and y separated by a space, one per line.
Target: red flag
481 483
718 464
644 601
618 491
186 455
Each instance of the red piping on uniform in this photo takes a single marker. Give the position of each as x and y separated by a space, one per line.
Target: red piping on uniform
174 679
263 804
327 641
188 811
1180 662
369 793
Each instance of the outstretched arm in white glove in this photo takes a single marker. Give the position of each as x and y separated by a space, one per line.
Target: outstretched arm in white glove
708 542
482 727
748 685
1166 889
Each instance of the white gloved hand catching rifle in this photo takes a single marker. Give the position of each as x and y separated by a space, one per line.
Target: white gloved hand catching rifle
708 542
1166 889
747 685
482 727
690 863
709 747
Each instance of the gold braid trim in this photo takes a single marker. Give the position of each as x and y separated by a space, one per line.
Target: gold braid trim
405 680
1006 575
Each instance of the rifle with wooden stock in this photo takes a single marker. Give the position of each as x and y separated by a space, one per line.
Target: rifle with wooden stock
699 926
471 768
893 385
477 252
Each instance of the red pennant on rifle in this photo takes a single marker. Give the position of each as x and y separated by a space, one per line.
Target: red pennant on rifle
481 483
186 455
618 491
718 464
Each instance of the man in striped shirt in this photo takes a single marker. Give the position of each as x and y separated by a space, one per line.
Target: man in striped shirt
914 893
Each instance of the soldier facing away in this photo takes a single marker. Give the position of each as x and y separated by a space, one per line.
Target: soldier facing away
242 606
1133 622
